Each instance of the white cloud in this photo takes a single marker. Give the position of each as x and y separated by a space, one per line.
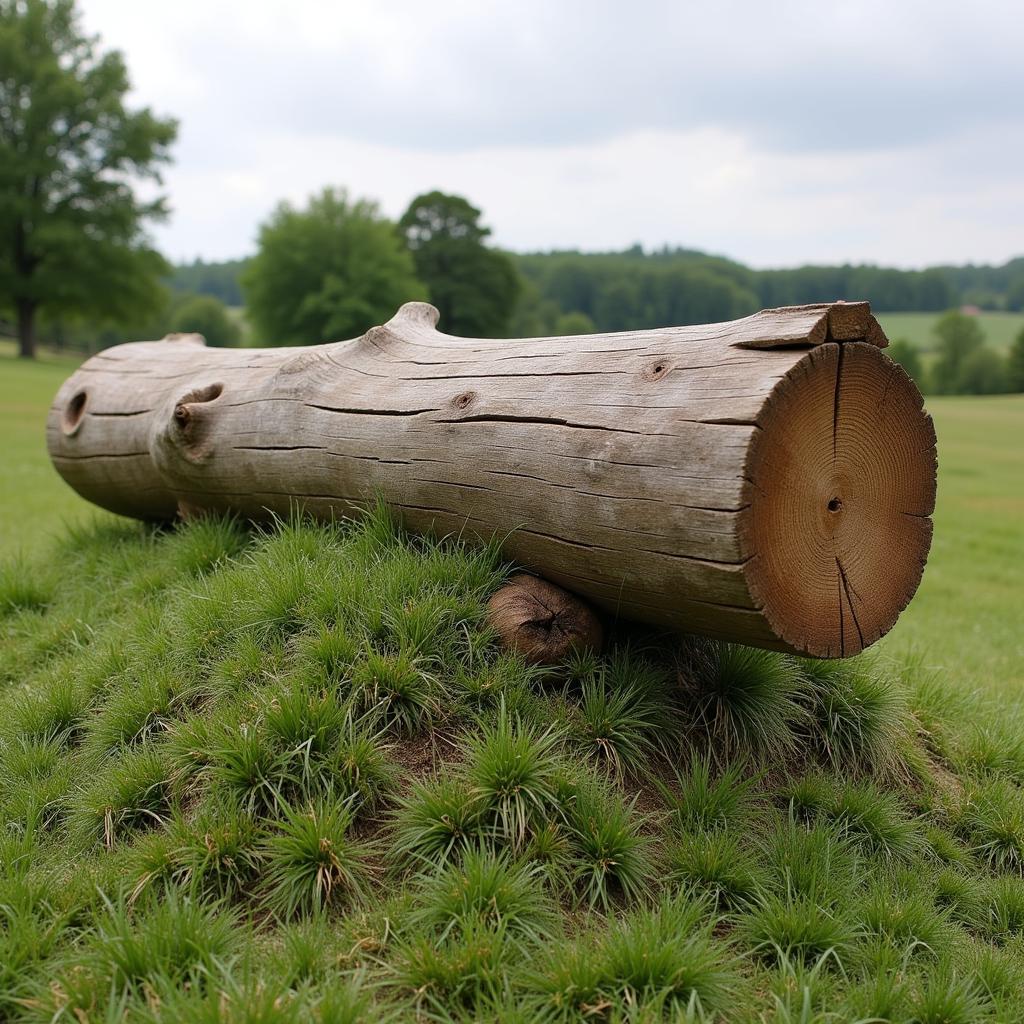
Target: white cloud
775 133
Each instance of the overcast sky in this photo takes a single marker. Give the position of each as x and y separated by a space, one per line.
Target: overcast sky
773 132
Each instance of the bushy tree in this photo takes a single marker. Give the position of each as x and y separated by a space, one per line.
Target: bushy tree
71 152
331 270
907 355
205 315
957 336
473 287
574 323
1015 365
983 372
1015 295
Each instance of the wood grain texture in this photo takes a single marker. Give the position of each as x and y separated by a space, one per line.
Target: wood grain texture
679 476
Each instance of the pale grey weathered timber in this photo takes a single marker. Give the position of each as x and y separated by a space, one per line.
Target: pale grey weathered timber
768 480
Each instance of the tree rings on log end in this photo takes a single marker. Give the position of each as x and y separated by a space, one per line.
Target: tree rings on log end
544 623
840 487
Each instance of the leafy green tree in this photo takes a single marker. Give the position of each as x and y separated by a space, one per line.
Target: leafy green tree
205 315
331 270
71 238
957 336
1015 364
907 355
982 372
1015 295
574 323
473 287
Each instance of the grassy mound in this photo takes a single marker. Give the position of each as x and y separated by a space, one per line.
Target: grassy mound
289 776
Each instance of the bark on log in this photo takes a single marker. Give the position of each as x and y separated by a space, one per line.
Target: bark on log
767 481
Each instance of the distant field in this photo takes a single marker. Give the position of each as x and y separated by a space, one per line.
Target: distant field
34 502
967 618
1000 328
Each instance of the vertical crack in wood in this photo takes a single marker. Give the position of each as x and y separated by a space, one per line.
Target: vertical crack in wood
849 601
835 406
839 589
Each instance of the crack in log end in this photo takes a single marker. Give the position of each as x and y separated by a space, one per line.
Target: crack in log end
829 483
842 631
849 601
835 405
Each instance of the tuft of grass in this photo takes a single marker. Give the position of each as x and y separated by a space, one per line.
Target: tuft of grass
312 861
700 800
215 855
488 889
872 817
55 711
1006 907
858 717
959 895
947 996
663 956
744 700
132 793
796 927
611 850
23 588
467 968
435 820
994 819
397 688
817 861
511 767
620 720
716 865
908 922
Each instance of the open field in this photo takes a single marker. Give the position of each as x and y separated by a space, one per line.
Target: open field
967 617
1000 328
291 777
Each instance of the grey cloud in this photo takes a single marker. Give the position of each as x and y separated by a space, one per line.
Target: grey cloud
789 76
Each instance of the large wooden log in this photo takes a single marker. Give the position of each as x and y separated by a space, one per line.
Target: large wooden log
767 481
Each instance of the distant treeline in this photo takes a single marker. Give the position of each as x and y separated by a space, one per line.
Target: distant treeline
637 288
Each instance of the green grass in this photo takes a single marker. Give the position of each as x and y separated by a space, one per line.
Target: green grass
1000 328
206 817
287 775
967 619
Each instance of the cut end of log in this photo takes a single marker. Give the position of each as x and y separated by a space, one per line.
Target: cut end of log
544 623
840 485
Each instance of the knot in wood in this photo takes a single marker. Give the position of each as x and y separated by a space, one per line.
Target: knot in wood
657 370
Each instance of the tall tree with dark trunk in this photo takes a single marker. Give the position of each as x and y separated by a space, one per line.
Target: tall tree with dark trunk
474 288
71 154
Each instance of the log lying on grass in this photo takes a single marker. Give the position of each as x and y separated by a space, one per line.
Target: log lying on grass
767 481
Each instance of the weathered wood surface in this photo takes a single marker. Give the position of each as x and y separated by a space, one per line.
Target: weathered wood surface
768 481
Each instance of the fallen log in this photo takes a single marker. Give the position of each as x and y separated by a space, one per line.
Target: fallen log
767 481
